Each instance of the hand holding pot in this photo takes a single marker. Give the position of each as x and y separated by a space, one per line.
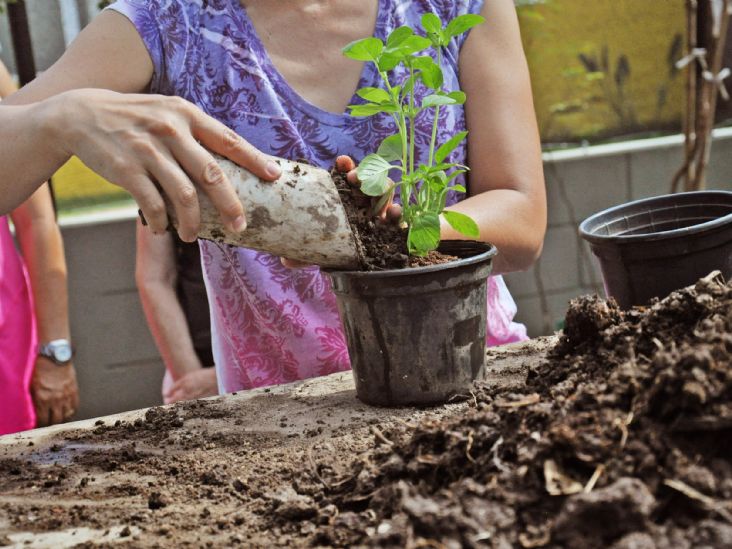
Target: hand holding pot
388 213
150 144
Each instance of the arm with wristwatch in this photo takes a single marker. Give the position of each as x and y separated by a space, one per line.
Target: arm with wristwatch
53 386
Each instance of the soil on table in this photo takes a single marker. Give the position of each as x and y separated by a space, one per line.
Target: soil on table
620 437
381 245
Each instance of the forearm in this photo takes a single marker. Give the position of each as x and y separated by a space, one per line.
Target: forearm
42 248
169 328
508 220
28 155
506 180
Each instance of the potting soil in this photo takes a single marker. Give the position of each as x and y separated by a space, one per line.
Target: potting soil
620 437
381 245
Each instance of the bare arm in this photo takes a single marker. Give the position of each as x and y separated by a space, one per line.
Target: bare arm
156 277
43 252
508 199
54 389
89 104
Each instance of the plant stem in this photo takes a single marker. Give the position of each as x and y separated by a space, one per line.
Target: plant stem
412 118
402 126
433 140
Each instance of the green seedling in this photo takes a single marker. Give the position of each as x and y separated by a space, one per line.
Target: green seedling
422 188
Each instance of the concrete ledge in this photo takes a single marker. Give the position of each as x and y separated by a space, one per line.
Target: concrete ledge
624 147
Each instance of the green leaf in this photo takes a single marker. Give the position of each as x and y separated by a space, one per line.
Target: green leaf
463 23
462 223
458 96
370 109
375 95
434 100
408 46
366 49
433 27
442 202
388 61
445 166
424 233
373 172
445 150
436 184
430 72
422 194
408 86
397 36
391 148
458 188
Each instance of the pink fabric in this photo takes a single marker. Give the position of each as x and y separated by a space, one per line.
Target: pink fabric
17 338
501 310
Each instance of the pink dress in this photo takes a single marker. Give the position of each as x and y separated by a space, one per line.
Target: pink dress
17 338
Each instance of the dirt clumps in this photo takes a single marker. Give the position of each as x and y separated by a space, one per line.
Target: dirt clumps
621 438
380 245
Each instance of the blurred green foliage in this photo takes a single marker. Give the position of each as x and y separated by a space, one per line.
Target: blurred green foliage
4 3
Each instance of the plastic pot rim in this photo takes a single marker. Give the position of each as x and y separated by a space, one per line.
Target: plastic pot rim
490 251
595 238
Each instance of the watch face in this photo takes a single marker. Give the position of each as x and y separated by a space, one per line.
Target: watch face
62 352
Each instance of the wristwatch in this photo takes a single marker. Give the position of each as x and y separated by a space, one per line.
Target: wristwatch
60 351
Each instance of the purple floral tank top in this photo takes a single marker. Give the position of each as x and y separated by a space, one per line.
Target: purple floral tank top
270 324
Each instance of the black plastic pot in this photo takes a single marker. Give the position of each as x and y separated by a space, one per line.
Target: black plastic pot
654 246
417 336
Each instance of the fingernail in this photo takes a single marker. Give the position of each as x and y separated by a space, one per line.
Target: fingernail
239 224
272 169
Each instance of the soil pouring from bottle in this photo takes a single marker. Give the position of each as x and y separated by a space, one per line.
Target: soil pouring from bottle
299 216
417 336
650 247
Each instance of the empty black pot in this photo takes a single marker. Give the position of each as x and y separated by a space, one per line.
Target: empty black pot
654 246
417 336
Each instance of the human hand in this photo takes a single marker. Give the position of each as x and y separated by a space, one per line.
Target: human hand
150 144
199 383
54 391
388 213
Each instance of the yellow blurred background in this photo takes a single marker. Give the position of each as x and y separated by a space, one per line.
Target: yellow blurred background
603 68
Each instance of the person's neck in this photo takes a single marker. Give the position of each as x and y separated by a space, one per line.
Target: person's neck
304 39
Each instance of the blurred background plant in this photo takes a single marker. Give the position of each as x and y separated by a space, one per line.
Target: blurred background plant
595 68
4 3
707 30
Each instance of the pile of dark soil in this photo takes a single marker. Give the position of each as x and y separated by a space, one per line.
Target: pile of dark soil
380 245
621 438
